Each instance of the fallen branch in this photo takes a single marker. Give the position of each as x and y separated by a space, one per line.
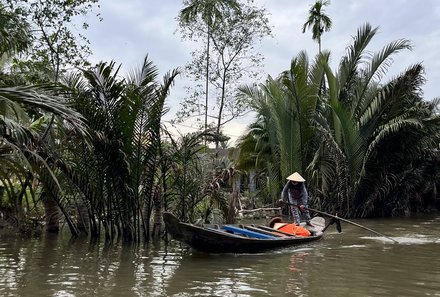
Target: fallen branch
243 211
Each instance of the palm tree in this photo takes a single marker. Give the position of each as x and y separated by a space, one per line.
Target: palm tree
25 152
360 140
364 121
318 21
116 175
22 155
209 11
194 180
286 108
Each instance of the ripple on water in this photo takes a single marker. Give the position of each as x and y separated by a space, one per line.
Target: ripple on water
353 246
409 240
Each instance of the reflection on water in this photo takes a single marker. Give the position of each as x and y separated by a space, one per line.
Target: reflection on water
352 263
296 261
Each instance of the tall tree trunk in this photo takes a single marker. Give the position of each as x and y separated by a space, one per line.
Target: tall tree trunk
146 214
52 213
83 218
157 216
220 112
207 80
319 44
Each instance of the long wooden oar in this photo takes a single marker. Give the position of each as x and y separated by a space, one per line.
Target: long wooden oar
344 220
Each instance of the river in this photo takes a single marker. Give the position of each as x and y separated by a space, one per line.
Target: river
353 263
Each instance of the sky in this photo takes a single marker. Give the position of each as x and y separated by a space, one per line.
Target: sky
132 29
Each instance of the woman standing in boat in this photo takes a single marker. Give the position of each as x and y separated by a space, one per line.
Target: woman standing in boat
295 193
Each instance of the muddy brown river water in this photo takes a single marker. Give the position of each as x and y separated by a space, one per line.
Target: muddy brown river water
352 263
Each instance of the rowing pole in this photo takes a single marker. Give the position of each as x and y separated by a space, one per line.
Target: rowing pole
342 219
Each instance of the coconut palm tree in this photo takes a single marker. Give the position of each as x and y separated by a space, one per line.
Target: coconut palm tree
318 21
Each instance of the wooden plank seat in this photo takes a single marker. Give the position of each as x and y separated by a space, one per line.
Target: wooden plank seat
246 232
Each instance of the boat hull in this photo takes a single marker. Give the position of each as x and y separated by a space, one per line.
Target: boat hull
212 240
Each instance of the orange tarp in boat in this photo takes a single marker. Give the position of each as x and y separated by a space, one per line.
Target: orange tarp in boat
292 229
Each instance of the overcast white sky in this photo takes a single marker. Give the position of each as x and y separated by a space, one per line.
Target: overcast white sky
131 29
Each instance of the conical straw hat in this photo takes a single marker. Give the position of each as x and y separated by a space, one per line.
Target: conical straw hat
296 177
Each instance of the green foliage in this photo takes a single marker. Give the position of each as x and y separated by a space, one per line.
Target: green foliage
117 173
196 181
358 140
54 44
22 157
14 32
229 31
27 145
318 21
283 135
209 12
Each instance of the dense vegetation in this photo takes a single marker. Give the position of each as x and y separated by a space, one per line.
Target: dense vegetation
367 148
87 147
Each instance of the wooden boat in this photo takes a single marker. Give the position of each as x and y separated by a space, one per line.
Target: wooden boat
237 238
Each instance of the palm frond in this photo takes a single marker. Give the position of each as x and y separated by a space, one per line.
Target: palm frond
355 53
